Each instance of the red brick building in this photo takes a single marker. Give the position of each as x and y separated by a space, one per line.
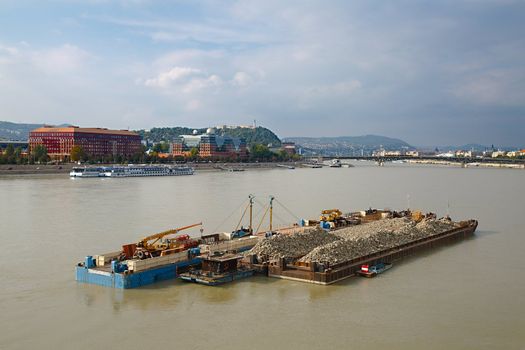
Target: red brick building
289 148
95 142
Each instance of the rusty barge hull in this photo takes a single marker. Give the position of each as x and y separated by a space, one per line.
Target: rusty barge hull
320 274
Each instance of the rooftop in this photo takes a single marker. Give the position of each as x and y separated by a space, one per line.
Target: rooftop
77 129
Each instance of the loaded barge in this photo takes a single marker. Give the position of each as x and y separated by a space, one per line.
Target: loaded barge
316 251
325 274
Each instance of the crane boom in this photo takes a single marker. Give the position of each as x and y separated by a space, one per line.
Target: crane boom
144 241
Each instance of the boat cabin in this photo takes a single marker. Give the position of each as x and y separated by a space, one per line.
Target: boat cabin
220 264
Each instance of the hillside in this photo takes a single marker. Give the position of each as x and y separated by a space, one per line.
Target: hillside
16 132
348 145
253 136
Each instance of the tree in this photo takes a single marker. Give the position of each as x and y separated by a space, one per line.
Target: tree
77 153
39 154
10 154
194 152
261 152
19 158
161 147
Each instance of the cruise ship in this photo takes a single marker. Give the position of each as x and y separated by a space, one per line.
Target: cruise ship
131 171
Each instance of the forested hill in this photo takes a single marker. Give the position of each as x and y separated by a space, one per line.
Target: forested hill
259 135
16 131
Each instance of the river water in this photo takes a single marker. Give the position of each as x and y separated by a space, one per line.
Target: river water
470 295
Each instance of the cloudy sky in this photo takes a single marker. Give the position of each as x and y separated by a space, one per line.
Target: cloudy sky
429 72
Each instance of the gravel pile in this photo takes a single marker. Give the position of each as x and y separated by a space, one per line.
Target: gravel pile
370 238
348 243
291 246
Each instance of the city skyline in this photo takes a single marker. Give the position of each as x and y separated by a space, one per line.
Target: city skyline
430 74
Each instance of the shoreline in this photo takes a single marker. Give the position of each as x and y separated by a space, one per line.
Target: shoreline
47 169
467 165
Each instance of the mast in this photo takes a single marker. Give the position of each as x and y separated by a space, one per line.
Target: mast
271 212
251 197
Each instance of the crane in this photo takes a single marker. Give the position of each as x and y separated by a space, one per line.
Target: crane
148 246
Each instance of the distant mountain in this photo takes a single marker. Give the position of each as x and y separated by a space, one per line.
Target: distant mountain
348 145
16 132
251 135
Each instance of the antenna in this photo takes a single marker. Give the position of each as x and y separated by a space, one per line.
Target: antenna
408 202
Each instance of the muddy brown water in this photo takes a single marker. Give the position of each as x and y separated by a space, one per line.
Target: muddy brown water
466 295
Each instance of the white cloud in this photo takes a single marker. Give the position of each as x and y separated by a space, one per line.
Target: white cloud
184 79
174 75
201 83
8 50
61 59
241 79
8 54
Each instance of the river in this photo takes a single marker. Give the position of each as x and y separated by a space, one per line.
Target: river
468 295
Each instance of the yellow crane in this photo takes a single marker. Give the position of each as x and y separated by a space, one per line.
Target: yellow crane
148 245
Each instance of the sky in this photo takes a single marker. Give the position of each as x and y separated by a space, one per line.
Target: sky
428 72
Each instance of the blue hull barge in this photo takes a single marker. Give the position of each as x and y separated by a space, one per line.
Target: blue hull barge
125 269
218 269
105 270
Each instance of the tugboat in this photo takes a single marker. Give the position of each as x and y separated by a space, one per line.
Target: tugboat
335 163
218 269
374 270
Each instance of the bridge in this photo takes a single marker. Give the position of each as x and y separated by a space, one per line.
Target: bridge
464 160
5 143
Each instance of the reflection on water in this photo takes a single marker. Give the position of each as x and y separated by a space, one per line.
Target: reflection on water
454 297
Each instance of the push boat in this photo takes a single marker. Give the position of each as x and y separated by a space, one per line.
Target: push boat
335 163
374 270
218 269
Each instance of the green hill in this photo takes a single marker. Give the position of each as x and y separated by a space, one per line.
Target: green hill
259 135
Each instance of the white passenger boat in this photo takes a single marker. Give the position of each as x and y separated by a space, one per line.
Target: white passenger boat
131 171
87 172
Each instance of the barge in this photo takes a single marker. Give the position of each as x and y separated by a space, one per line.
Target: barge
105 270
325 274
316 251
156 258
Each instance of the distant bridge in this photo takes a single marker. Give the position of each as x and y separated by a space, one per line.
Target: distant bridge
23 144
429 158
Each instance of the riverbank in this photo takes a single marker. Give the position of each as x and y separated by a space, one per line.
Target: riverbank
467 165
47 169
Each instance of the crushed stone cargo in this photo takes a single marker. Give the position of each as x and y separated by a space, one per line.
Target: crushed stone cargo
291 246
350 242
